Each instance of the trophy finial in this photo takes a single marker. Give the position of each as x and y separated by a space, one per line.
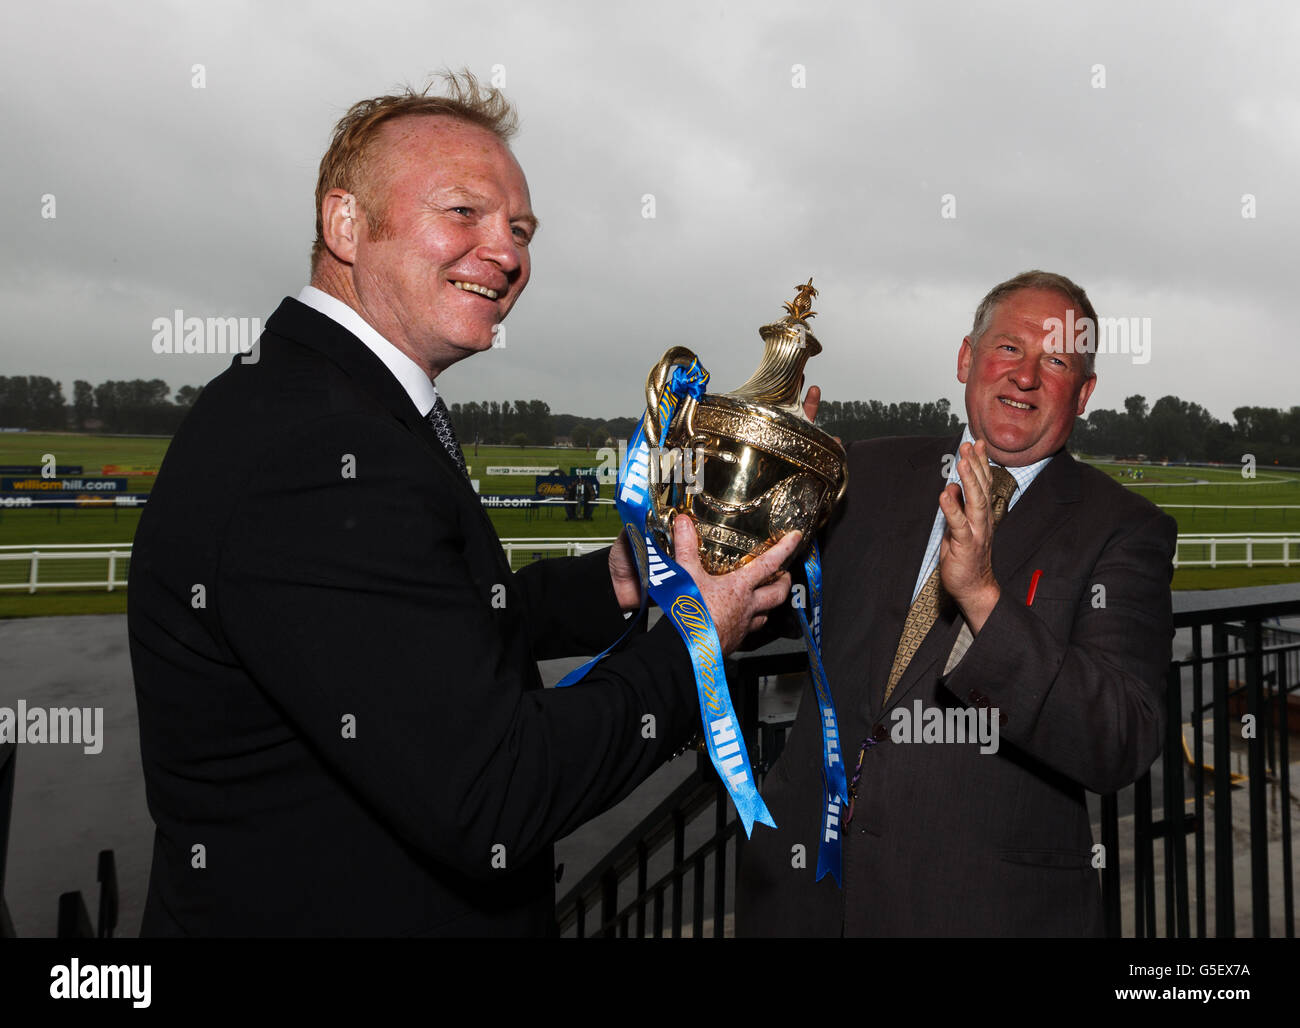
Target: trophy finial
761 466
801 308
788 344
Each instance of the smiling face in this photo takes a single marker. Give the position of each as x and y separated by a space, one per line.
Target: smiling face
450 257
1021 399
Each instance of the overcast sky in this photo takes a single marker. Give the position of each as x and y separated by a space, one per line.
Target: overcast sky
173 197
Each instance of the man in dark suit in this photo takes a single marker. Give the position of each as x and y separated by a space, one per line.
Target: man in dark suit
1044 649
342 724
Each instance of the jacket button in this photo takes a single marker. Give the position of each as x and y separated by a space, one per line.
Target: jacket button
880 733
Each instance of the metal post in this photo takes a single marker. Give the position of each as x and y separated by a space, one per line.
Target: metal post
1198 777
1110 870
1284 790
679 859
1176 913
720 861
608 903
1144 885
1257 785
697 899
1224 905
642 873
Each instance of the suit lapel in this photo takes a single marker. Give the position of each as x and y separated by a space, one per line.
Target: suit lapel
1038 514
1024 530
917 490
310 328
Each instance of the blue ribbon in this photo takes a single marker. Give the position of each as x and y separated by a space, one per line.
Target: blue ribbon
834 784
671 587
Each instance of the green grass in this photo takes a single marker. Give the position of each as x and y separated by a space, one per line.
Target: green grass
102 526
43 604
1232 578
39 526
1218 500
1227 497
1200 492
91 451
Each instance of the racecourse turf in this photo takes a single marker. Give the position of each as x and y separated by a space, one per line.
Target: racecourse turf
1203 500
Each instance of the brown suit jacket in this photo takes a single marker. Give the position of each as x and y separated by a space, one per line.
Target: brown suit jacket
946 840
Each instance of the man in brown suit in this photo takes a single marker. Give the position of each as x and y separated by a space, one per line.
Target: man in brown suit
1052 638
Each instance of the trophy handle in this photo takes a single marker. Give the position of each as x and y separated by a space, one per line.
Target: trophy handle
661 514
656 383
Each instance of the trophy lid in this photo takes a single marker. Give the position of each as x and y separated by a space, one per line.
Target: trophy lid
788 345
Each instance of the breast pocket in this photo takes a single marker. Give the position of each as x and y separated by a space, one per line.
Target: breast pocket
1060 860
1056 598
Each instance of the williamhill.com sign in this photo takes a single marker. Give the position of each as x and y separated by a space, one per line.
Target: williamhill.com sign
495 500
63 485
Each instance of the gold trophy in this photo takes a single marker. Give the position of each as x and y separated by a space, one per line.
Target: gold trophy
747 465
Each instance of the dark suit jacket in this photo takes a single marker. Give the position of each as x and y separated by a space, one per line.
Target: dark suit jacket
945 840
341 720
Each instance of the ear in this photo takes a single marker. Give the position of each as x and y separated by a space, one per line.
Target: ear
341 220
1085 392
964 357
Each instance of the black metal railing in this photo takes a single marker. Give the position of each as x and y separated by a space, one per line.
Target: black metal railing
596 907
626 893
1180 822
1252 669
8 759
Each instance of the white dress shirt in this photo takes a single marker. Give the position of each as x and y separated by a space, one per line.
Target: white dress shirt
419 387
1023 476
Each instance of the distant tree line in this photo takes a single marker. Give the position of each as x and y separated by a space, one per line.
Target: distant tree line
1170 429
1176 430
136 407
531 423
871 419
31 401
593 433
522 423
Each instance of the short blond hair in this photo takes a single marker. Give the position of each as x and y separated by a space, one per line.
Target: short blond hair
348 163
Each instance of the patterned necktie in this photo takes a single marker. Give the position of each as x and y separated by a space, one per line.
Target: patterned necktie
925 608
440 421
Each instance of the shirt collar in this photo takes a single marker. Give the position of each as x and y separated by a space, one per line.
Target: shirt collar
419 387
1023 476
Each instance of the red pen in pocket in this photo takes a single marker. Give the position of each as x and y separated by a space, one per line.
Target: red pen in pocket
1033 587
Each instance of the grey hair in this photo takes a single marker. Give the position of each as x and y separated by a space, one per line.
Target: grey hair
1036 280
